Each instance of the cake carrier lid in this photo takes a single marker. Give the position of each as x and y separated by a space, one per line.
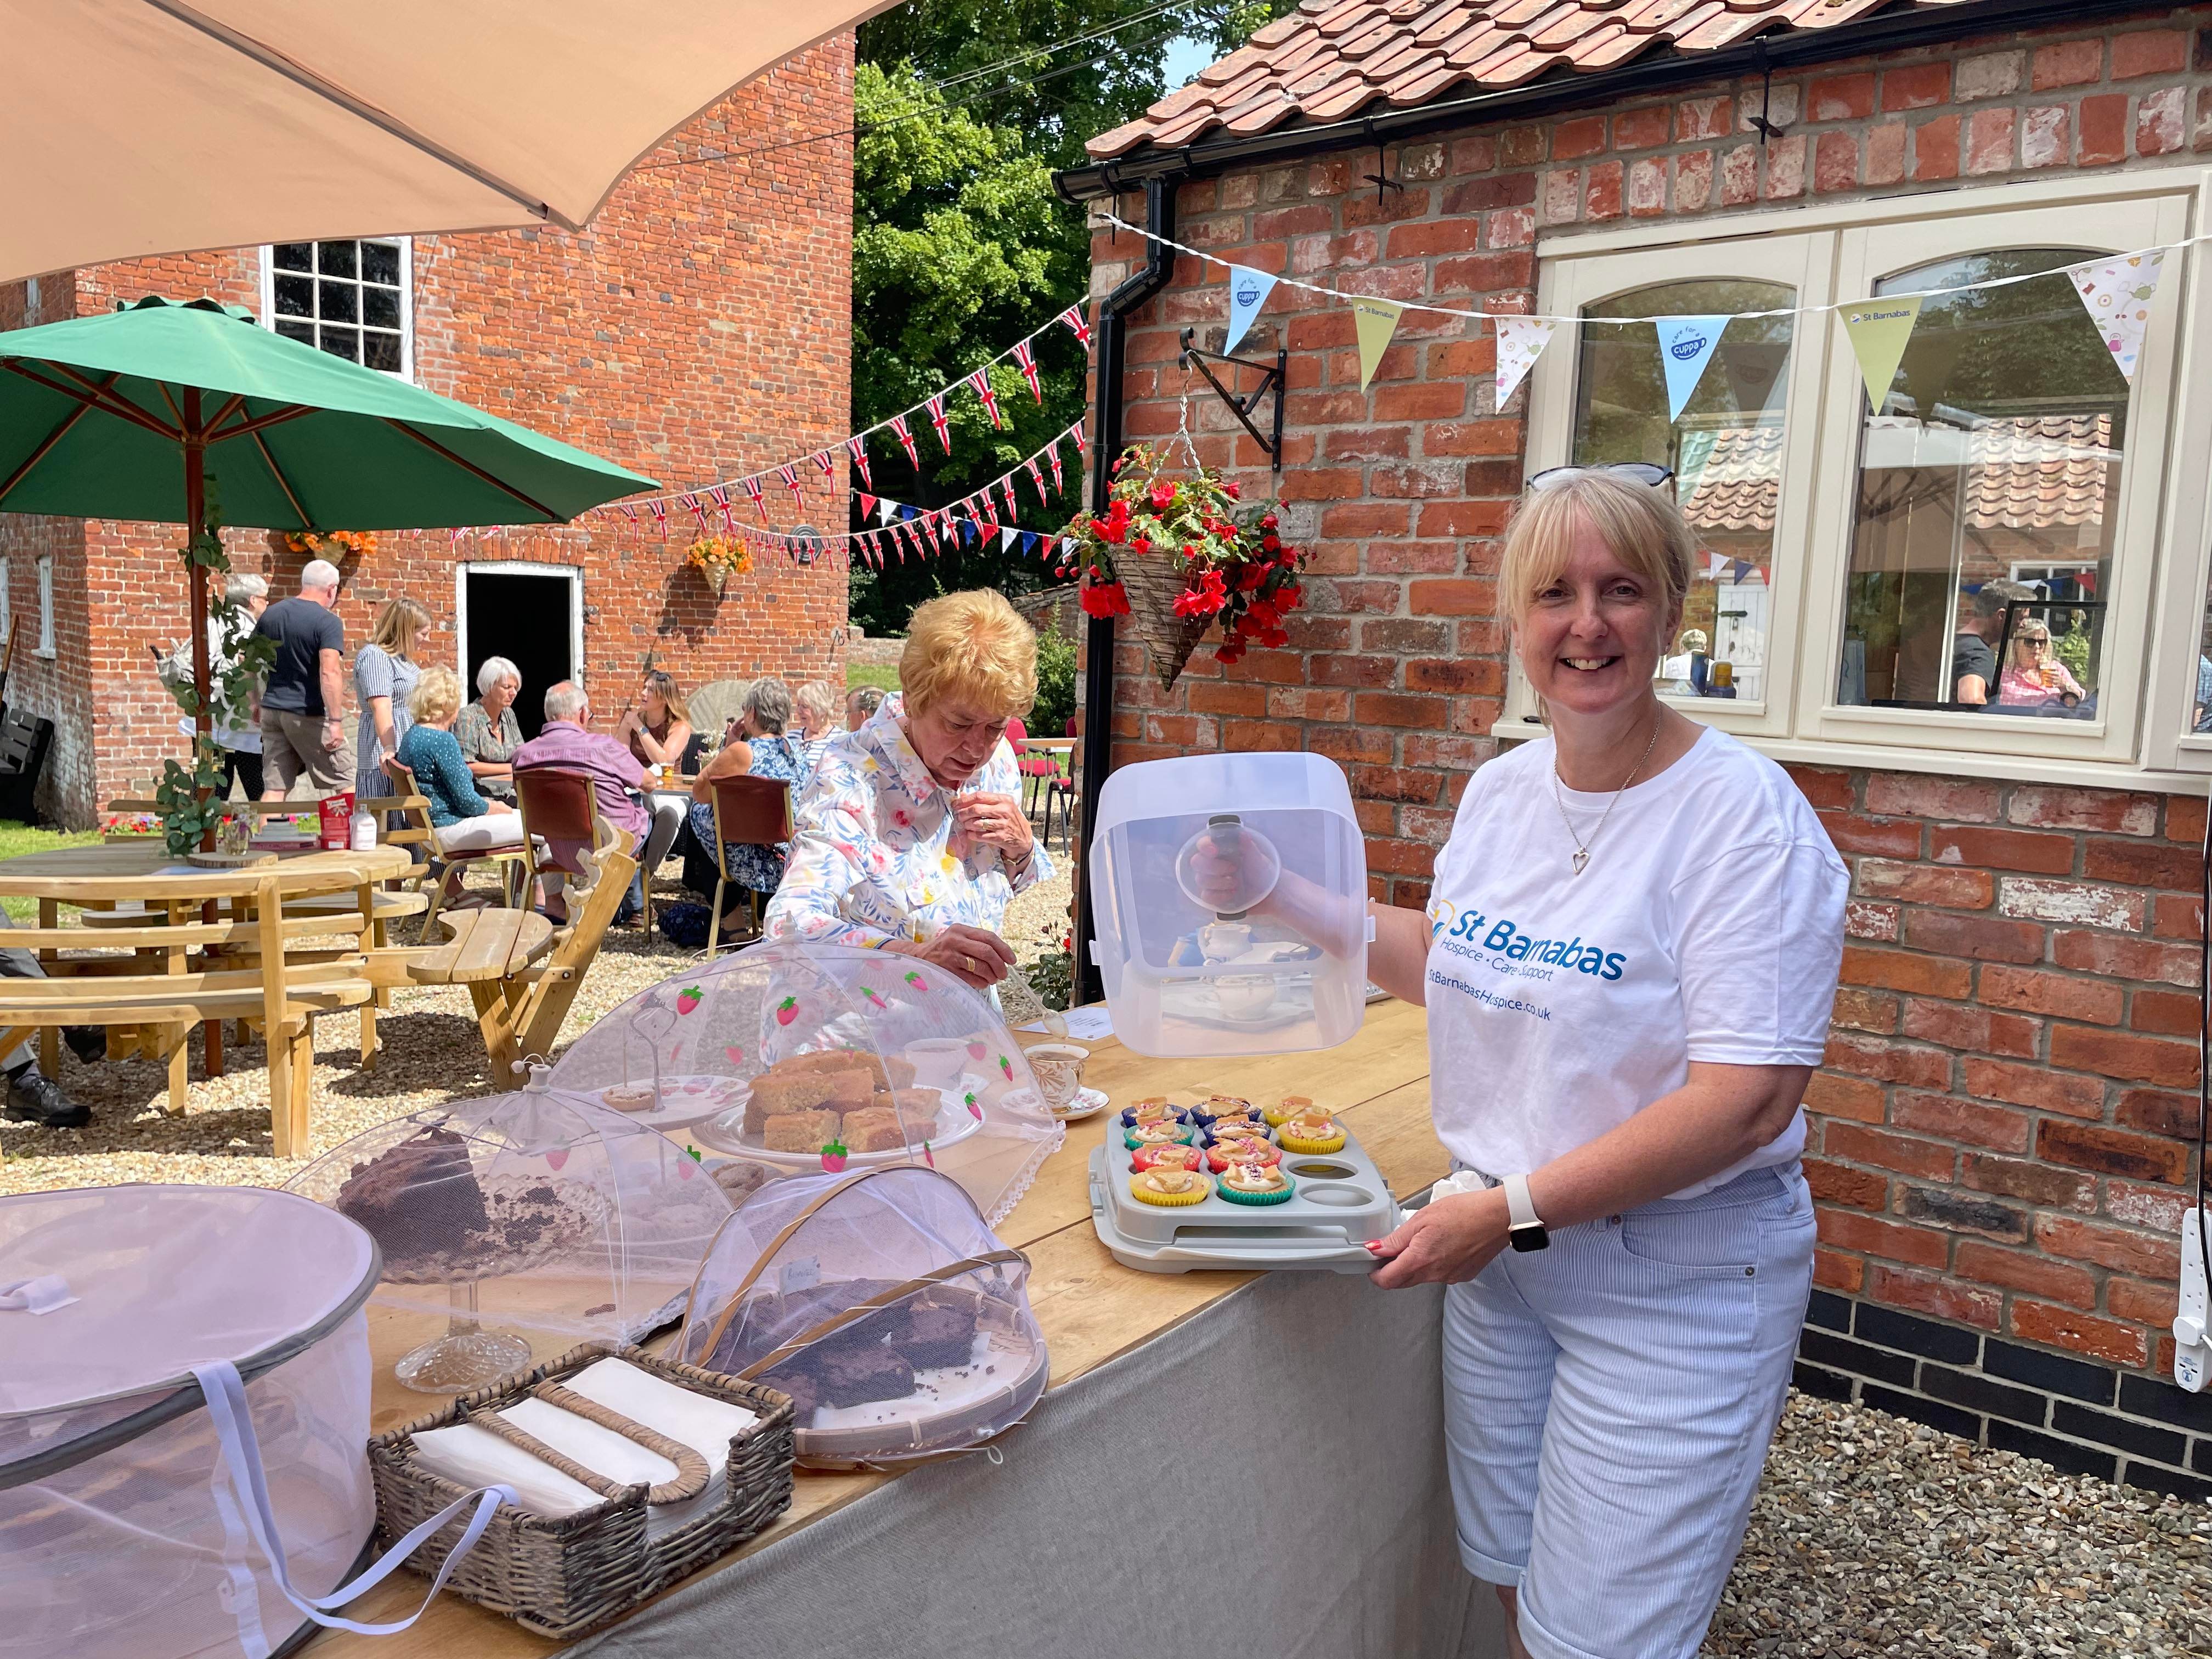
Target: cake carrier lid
163 1277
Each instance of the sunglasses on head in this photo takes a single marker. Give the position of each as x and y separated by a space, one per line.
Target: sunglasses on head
1650 474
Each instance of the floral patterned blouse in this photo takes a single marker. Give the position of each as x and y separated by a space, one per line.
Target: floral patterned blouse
869 861
755 867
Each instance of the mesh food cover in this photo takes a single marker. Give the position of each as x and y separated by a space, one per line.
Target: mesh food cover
121 1532
521 1224
882 1304
836 1059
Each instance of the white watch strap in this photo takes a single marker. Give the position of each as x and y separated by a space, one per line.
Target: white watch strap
1520 1208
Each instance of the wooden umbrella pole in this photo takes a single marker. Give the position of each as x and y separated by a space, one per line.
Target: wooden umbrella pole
203 722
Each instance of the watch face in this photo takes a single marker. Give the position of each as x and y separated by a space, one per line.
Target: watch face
1531 1237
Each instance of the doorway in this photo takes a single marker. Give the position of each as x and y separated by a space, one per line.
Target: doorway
530 614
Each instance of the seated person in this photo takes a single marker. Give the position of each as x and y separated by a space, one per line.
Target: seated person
467 821
754 745
2034 678
487 730
860 705
567 744
657 726
32 1097
1981 624
910 835
814 713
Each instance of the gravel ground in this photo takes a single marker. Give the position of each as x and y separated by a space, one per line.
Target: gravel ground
1875 1535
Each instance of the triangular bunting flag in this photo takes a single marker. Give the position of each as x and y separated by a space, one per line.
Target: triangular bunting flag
938 418
1006 539
721 494
1073 318
858 449
1037 478
867 502
2118 293
1006 492
980 383
906 440
1376 321
789 474
884 510
1052 456
1879 330
828 465
1025 360
752 488
1076 432
1520 341
659 511
1248 291
1685 346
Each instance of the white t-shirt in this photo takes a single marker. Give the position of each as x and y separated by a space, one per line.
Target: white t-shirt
1709 926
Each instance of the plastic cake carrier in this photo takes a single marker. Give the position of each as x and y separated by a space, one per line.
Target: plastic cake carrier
1230 898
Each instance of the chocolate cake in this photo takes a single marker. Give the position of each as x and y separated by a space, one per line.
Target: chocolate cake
937 1334
419 1200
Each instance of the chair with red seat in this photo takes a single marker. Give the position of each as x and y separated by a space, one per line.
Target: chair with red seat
1037 770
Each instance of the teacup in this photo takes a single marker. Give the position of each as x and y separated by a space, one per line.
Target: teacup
1245 996
1223 941
937 1061
1058 1068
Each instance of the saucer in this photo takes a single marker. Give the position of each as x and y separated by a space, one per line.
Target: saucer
1088 1104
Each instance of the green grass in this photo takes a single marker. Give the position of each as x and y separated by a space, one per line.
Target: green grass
884 677
17 839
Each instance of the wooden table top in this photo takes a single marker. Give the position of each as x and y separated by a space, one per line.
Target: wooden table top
1092 1308
119 870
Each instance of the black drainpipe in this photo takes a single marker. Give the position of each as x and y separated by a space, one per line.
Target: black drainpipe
1111 337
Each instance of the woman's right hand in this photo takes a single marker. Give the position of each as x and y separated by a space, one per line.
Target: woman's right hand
496 806
975 956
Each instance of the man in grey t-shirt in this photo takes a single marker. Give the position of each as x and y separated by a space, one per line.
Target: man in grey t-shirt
302 728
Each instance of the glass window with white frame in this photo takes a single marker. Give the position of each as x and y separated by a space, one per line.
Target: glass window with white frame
351 299
46 646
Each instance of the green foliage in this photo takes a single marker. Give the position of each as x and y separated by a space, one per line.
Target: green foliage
883 676
1055 698
190 799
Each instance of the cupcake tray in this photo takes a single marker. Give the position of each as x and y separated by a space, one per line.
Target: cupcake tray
1323 1227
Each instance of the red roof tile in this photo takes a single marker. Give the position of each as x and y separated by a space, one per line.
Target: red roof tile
1331 58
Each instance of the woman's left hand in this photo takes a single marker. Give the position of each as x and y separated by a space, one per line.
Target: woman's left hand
992 820
1447 1242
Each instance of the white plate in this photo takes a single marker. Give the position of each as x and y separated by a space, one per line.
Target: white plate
1089 1103
724 1132
685 1100
1200 1001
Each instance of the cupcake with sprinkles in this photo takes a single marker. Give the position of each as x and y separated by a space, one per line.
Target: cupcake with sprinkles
1235 1128
1166 1157
1169 1189
1161 1132
1311 1129
1154 1109
1226 1154
1220 1106
1254 1183
1291 1106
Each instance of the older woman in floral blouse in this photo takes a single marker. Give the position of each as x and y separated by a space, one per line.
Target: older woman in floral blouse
910 833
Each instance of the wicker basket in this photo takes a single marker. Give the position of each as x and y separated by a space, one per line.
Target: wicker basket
559 1577
1153 583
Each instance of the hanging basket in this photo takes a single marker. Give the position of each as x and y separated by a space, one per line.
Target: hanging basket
1153 583
718 578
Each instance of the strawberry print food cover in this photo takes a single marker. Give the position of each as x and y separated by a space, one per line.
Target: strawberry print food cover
835 1059
879 1301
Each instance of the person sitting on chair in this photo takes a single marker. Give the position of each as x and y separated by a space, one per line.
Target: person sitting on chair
754 745
487 730
566 742
466 821
31 1096
814 713
860 705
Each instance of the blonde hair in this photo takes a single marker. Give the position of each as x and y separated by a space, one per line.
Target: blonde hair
972 647
436 695
817 704
397 625
1638 524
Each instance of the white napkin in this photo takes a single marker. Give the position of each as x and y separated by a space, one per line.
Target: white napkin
469 1456
705 1425
1460 1181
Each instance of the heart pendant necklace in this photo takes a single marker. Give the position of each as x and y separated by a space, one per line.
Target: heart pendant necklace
1582 853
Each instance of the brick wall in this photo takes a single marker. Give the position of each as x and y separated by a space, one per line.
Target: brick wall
2006 1126
699 326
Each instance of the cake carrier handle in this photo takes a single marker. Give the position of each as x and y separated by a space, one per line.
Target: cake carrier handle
241 1454
1215 823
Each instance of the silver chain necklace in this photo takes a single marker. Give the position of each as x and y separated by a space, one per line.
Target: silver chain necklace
1582 848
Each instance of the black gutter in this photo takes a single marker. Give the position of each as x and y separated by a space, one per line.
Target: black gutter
1562 90
1109 338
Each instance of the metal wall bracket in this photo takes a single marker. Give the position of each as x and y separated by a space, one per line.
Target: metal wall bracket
1272 379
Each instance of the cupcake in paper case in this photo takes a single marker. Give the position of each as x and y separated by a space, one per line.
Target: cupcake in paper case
1311 1130
1220 1106
1230 1154
1234 1129
1165 1133
1254 1183
1154 1109
1173 1157
1291 1106
1169 1188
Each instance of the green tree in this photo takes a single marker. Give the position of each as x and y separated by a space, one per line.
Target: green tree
960 244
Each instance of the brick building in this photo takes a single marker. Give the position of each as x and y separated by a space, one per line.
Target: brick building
699 328
2003 1136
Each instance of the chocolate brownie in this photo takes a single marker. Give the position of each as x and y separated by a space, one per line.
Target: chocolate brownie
854 1375
419 1200
937 1335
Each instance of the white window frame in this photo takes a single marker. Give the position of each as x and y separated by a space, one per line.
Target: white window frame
406 245
45 645
1843 249
572 574
6 601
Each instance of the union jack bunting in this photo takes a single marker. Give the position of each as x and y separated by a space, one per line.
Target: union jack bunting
789 474
1076 432
1053 455
858 449
906 440
698 512
1006 489
753 489
937 418
980 508
980 381
629 512
1073 318
1027 360
824 459
1037 478
659 511
720 496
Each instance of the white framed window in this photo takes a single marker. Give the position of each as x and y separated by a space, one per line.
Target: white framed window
1969 578
7 605
46 646
355 300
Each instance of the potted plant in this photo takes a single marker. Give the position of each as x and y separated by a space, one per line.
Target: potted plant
718 558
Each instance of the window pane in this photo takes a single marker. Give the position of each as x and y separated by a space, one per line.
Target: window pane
295 296
381 350
341 302
294 256
1988 482
338 258
342 343
379 262
380 308
1725 449
296 331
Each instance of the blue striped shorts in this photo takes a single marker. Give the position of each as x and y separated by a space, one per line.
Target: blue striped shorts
1607 1406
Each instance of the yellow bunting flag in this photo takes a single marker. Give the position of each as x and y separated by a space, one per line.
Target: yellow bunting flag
1376 321
1879 330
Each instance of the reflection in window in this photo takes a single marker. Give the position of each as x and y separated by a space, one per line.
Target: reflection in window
1988 486
1726 453
344 297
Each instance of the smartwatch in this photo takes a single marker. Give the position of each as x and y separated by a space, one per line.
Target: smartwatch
1522 1230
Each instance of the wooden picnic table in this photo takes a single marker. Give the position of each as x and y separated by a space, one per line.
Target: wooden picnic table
1092 1309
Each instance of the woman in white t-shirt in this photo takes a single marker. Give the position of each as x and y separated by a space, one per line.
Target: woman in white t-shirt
1629 958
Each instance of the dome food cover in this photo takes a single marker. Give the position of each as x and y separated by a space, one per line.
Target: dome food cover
518 1225
1230 897
184 1410
835 1058
882 1304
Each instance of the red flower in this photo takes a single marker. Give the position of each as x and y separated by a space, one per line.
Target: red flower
1290 596
1268 521
1250 576
1270 543
1204 600
1140 544
1262 614
1161 498
1190 550
1106 530
1104 599
1232 492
